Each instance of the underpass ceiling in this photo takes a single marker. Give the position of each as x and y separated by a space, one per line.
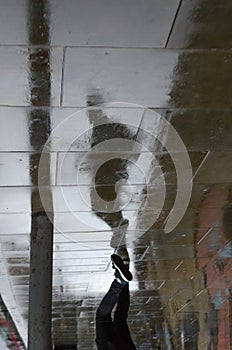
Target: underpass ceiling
56 59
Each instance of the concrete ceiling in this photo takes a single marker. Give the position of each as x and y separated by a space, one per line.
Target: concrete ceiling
156 77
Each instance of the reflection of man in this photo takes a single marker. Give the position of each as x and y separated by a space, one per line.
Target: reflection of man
114 334
104 128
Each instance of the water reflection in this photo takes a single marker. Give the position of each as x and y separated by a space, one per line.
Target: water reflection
186 318
41 244
203 24
227 217
189 328
183 298
110 172
214 258
212 322
9 336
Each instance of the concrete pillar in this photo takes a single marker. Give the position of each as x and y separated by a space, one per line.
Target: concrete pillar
39 78
40 292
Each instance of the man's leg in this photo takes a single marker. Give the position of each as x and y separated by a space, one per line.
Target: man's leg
120 317
123 305
104 324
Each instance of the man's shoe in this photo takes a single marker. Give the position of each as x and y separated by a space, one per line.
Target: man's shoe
122 272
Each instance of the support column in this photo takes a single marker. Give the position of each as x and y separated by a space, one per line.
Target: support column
41 248
40 293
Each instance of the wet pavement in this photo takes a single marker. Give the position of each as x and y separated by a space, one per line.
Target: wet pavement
173 58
